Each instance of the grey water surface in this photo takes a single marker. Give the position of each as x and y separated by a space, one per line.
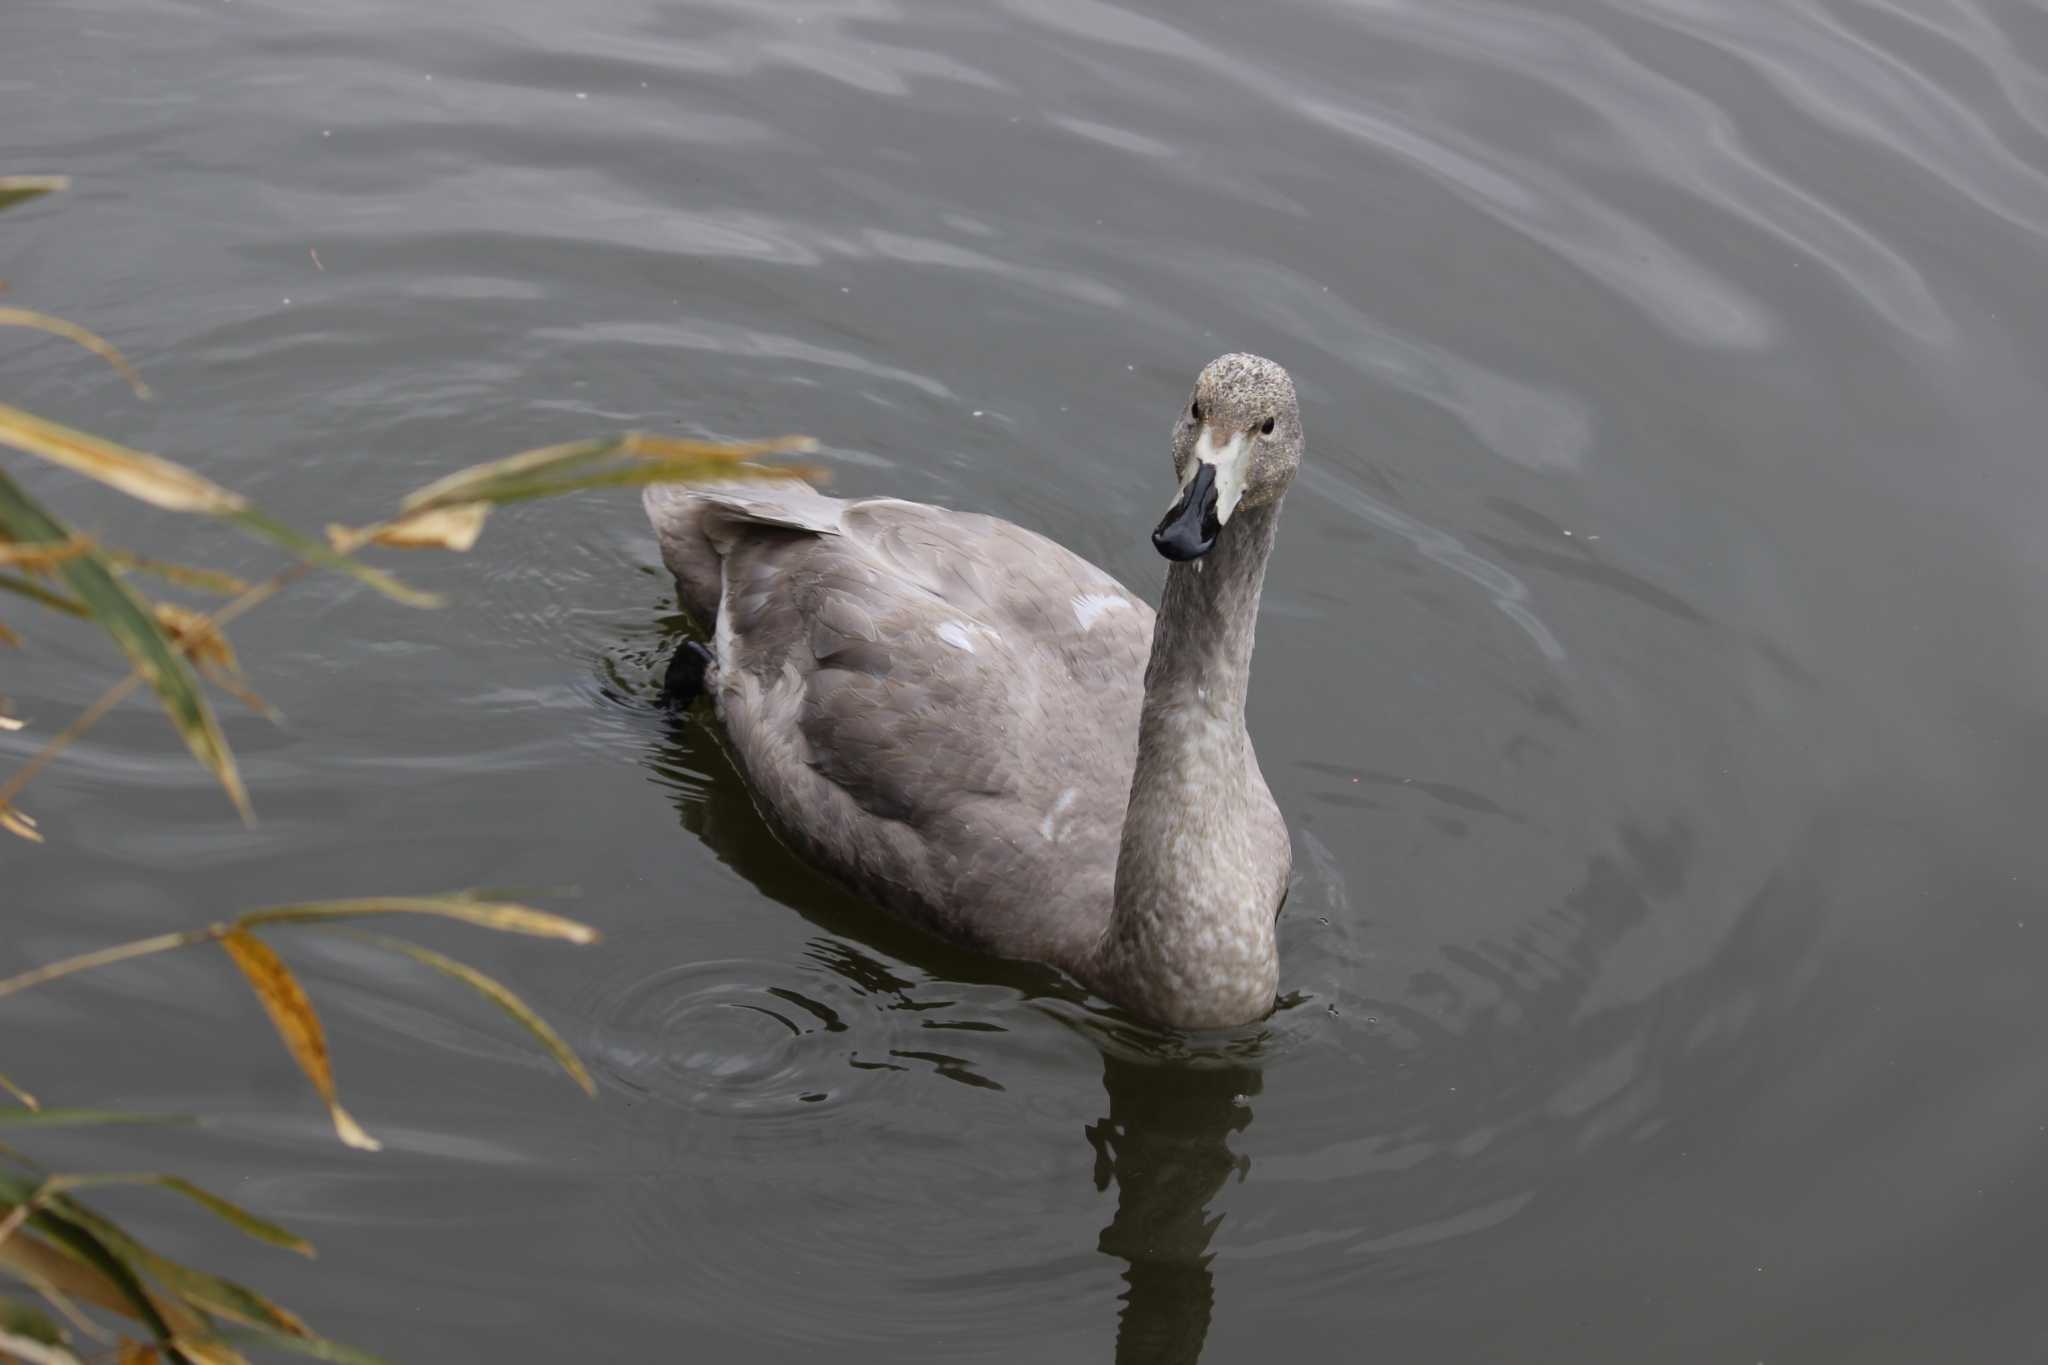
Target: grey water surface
1653 667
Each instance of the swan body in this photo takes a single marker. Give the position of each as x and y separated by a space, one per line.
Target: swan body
980 730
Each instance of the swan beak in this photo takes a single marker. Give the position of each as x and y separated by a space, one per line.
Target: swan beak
1189 527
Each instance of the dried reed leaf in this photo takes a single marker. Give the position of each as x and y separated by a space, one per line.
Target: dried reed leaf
71 331
505 917
292 1015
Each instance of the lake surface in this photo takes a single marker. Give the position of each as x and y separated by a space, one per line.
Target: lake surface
1652 670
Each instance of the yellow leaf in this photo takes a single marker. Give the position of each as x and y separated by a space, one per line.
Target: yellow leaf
19 823
71 331
443 528
291 1013
151 478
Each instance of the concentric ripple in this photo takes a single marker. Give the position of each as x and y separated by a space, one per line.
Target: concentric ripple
734 1037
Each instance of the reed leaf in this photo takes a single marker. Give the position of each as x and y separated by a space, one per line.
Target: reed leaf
105 957
291 1013
85 1118
505 917
312 1347
563 468
183 575
150 478
195 1289
498 994
26 1320
19 189
32 1351
134 628
260 1229
71 331
20 824
22 1095
48 597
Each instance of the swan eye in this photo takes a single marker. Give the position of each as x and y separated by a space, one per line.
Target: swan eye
1267 429
1195 410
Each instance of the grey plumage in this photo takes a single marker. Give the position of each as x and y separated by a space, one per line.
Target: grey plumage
982 731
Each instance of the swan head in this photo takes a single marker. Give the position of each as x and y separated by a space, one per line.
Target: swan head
1236 446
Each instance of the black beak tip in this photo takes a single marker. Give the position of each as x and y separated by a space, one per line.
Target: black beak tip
1179 544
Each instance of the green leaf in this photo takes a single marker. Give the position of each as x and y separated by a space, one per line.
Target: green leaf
82 1118
204 1291
19 189
261 1229
498 994
112 1278
135 628
26 1320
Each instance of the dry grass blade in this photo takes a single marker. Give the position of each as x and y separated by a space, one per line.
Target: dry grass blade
20 824
98 345
291 1013
261 1229
134 628
151 478
444 528
28 1101
506 917
105 957
40 558
185 576
500 995
19 189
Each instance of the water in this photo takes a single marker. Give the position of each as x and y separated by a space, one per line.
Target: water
1651 668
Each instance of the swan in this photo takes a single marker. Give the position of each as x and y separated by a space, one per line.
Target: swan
983 732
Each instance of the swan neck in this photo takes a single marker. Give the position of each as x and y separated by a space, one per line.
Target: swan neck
1190 938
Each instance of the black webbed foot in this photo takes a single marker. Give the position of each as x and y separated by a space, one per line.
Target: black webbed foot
686 669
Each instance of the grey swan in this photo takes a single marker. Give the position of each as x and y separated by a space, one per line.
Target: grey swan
981 731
